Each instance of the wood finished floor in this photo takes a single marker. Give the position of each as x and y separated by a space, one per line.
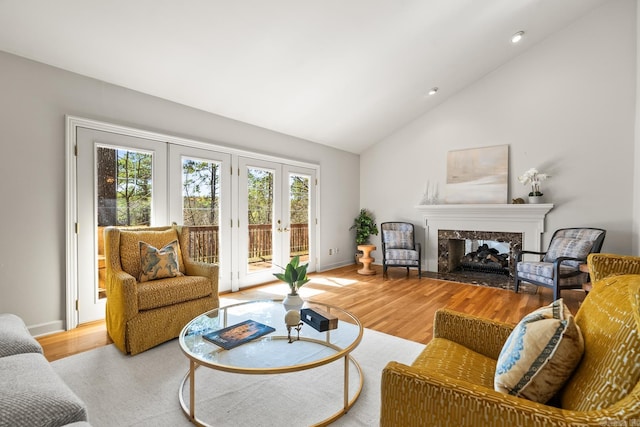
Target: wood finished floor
397 305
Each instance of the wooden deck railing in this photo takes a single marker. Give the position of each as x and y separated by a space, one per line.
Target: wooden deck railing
203 242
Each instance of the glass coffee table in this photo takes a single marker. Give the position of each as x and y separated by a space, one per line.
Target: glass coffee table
272 353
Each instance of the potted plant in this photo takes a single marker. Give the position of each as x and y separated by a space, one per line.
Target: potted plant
533 177
295 275
365 226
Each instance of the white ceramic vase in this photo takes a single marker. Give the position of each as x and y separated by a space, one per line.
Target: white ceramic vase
534 200
293 302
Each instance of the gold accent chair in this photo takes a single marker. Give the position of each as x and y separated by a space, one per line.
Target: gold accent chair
141 315
451 381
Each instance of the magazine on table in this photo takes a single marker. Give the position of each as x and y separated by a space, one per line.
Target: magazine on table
240 333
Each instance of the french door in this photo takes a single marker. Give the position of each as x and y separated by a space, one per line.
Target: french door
276 219
250 223
121 180
200 197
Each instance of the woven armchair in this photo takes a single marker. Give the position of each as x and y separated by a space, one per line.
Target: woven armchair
451 381
141 315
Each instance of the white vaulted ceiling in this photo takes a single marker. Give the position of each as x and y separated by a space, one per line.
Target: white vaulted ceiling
344 73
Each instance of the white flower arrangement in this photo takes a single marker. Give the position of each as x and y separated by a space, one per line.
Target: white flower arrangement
533 177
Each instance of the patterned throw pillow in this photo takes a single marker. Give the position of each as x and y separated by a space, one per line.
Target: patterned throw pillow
158 263
540 354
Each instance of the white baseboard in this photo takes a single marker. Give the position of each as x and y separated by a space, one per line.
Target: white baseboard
338 264
46 328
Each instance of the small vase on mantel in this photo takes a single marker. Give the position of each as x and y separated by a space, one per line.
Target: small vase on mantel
293 302
534 200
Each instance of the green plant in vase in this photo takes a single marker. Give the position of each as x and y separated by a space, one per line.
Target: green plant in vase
295 275
365 226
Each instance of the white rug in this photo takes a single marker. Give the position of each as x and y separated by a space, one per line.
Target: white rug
142 390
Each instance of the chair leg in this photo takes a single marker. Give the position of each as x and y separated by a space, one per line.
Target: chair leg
516 284
556 290
556 280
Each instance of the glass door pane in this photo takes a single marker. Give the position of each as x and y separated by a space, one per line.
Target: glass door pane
260 218
200 197
299 187
124 186
300 211
201 190
124 191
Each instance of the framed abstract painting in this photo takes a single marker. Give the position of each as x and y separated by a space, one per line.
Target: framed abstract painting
478 175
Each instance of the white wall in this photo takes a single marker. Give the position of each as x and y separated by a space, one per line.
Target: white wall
34 99
565 106
636 181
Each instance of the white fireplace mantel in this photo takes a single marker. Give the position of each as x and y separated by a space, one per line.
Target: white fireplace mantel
527 219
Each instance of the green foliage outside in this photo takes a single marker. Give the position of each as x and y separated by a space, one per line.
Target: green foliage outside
260 194
133 188
200 192
125 186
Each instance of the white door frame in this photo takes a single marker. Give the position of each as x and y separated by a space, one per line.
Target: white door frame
71 219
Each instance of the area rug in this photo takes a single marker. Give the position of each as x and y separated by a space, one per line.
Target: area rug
142 390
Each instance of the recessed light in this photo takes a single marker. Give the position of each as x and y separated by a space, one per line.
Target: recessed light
433 91
517 37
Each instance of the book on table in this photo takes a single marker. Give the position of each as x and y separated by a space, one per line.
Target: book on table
240 333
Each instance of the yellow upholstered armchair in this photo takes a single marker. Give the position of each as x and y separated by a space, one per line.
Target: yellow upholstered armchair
143 314
451 383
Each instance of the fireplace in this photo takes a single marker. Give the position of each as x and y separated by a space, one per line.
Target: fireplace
457 247
521 225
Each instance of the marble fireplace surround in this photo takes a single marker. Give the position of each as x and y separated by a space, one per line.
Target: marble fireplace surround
527 219
449 254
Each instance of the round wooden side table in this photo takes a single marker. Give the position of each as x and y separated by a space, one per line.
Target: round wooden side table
366 259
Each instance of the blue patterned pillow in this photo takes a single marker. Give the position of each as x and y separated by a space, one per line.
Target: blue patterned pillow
540 354
158 263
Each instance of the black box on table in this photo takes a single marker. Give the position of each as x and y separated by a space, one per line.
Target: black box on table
318 319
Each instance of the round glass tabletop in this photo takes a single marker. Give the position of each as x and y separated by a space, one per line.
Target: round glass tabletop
279 350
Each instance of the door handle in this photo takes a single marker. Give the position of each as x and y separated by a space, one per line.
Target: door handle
280 229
